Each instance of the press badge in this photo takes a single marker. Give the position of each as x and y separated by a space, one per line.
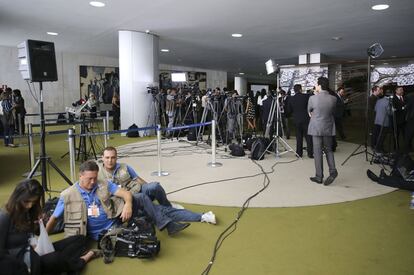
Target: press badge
93 210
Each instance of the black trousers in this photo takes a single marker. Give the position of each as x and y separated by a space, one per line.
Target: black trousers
302 132
66 257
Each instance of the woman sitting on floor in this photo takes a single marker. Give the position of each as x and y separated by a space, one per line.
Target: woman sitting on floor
19 221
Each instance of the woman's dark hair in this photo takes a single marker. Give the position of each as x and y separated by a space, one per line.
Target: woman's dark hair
22 218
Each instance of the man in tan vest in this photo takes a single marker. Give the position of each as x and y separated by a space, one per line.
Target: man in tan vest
125 176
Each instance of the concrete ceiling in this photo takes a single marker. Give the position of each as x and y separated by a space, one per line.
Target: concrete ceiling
198 33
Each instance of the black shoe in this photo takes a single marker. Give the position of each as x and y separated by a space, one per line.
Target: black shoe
330 179
175 227
315 179
310 156
372 176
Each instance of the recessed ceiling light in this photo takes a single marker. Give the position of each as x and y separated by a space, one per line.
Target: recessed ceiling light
237 35
97 4
165 50
52 33
393 56
241 73
336 38
380 7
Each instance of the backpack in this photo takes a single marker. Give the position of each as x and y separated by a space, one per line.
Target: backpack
192 134
258 148
236 150
132 133
47 212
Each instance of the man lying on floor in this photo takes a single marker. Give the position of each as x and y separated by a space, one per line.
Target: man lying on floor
90 206
126 177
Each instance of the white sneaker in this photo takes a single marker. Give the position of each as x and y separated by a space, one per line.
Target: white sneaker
208 217
177 206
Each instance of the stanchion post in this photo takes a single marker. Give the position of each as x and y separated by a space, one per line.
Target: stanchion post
159 173
31 151
107 120
106 136
213 162
71 139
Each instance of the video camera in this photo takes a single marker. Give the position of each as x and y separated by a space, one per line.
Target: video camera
136 240
152 90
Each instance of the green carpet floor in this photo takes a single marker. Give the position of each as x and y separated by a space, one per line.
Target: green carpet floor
370 236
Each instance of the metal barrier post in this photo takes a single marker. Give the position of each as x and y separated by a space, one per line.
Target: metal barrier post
71 140
159 173
31 151
106 136
213 162
107 120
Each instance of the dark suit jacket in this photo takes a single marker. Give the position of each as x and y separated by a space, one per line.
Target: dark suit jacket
298 107
399 112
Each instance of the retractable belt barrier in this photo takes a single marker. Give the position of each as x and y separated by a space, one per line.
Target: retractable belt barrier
106 134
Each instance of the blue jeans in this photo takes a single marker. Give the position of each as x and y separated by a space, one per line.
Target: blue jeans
179 215
155 191
161 215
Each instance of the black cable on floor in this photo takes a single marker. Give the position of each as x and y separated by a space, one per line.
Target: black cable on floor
233 226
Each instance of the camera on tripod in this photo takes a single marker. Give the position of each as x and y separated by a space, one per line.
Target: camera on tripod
152 90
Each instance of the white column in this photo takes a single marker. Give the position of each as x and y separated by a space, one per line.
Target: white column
138 68
240 84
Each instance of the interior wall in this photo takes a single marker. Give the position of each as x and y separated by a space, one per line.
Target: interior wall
214 78
60 94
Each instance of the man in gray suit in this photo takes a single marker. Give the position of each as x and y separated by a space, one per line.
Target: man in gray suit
321 108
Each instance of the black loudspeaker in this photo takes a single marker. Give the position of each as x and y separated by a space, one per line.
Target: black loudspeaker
41 60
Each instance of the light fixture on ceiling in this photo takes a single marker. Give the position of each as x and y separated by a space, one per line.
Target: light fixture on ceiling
336 38
52 33
393 56
97 4
385 63
165 50
237 35
241 73
147 31
380 7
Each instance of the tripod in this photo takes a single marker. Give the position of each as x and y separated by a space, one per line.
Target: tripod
234 108
213 111
43 158
155 111
277 139
373 51
191 104
83 148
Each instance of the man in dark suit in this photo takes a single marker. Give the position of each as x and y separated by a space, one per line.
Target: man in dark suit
398 103
298 107
321 108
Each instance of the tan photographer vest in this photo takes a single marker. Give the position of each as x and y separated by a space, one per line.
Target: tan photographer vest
76 213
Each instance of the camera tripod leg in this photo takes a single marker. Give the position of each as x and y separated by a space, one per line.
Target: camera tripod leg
51 163
33 171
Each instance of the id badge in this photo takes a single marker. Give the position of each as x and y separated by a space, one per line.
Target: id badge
93 210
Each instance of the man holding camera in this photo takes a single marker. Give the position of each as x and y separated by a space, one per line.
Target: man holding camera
321 108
